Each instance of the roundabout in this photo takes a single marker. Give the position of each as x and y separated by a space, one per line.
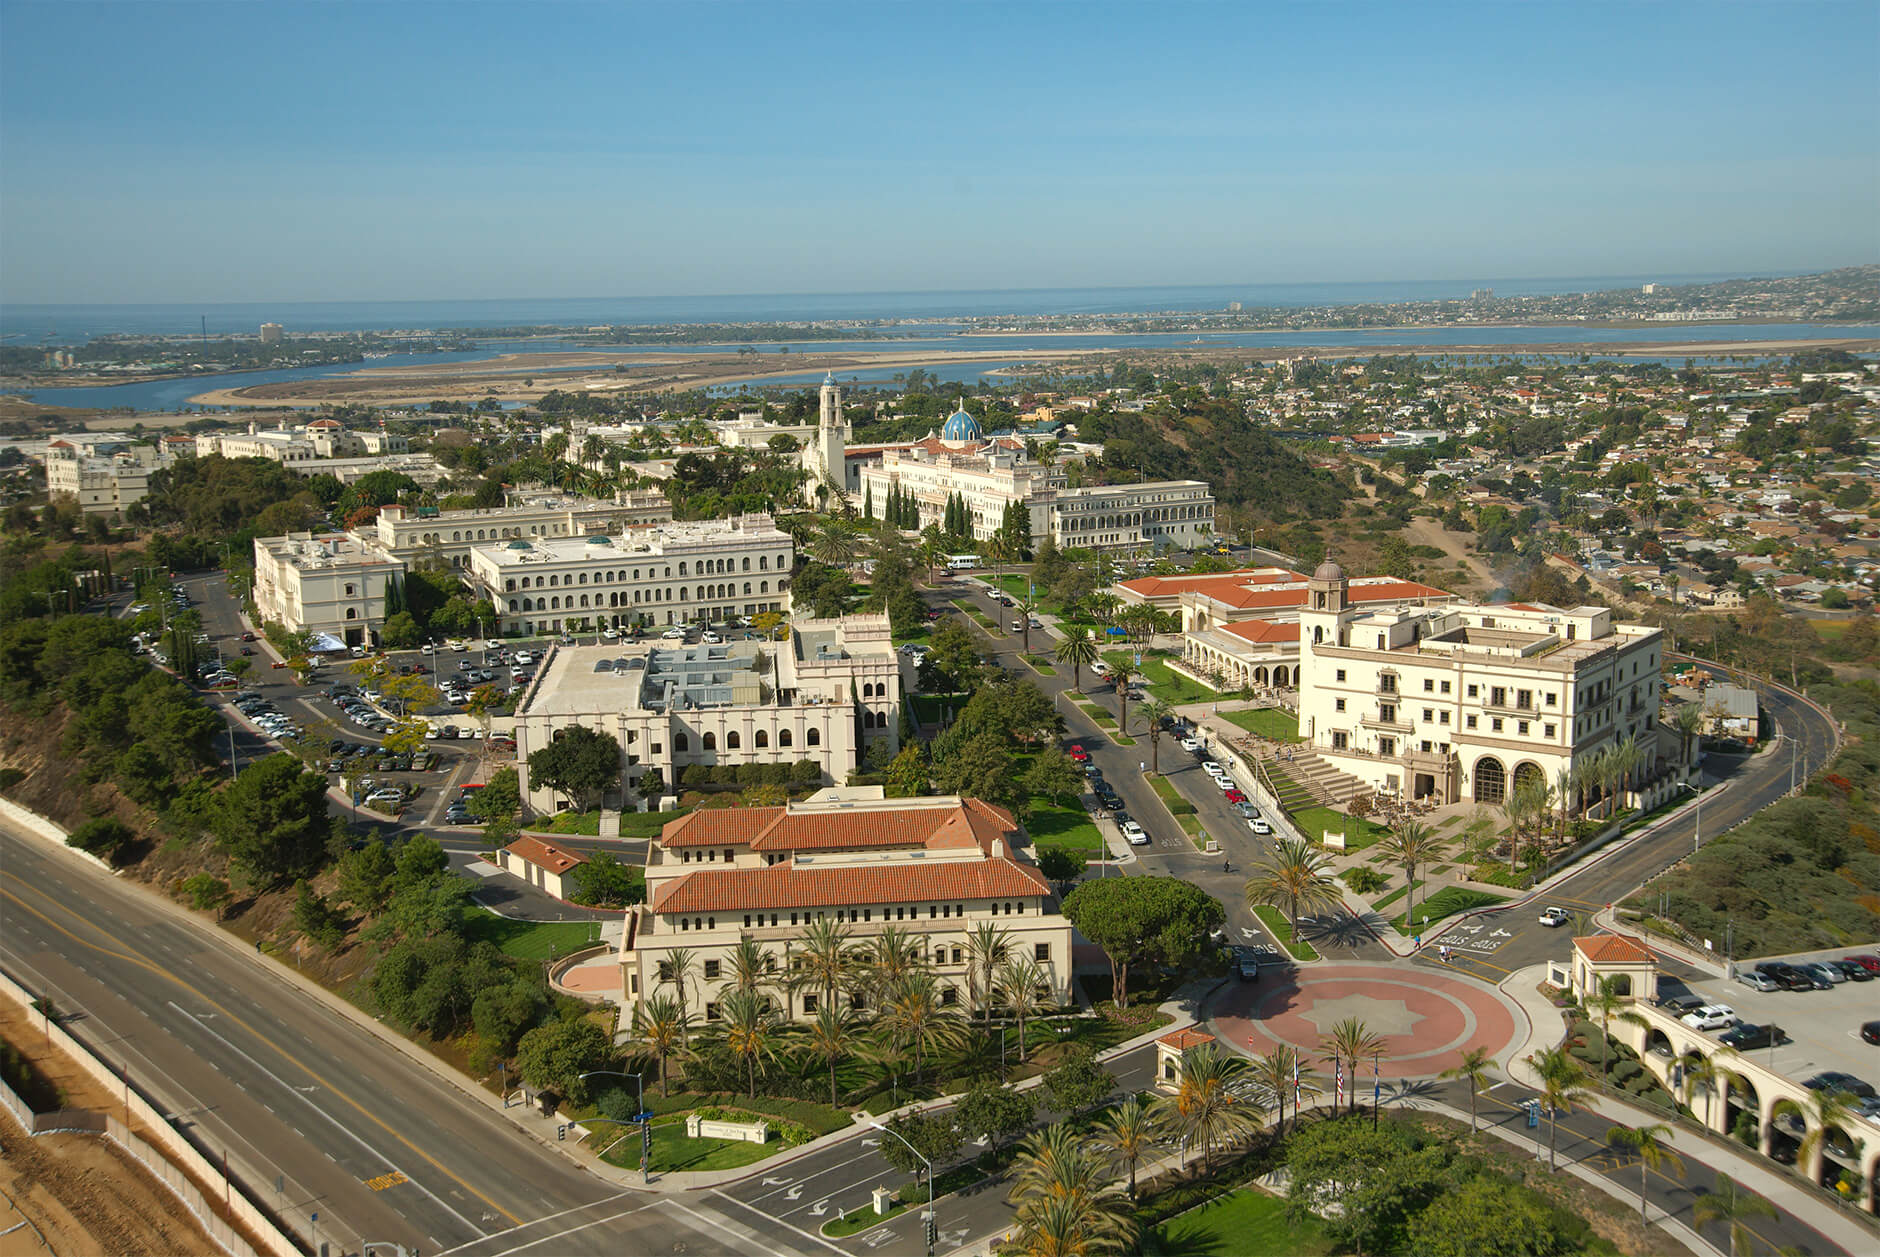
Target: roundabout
1426 1018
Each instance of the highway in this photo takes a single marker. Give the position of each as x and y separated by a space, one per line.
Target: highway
366 1143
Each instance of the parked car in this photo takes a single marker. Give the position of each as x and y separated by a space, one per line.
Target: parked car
1234 796
673 634
1746 1035
1835 1080
524 659
1134 834
1870 1031
1711 1017
1870 963
1259 826
709 638
1247 966
1758 981
1850 970
1821 970
1552 917
1078 753
1247 811
1093 772
1678 1005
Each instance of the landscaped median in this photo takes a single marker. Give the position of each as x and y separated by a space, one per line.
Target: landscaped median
1181 809
1445 903
1275 922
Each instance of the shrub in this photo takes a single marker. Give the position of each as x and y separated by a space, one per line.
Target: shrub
102 836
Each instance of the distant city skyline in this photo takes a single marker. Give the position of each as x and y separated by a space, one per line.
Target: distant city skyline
159 153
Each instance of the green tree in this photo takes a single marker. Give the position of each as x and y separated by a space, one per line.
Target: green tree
554 1056
1563 1086
914 1018
659 1026
907 773
273 819
750 1030
834 1034
1021 979
1078 1081
316 918
365 876
102 836
1065 1203
994 1113
1155 711
1473 1070
1209 1106
987 948
1129 1134
400 631
935 1135
579 761
206 892
1143 919
956 654
1351 1041
1054 775
498 804
1411 845
1061 865
604 882
1485 1214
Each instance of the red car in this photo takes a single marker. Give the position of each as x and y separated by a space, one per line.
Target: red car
248 637
1078 752
1235 796
1870 963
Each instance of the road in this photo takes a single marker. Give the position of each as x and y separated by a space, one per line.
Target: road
380 1147
1170 854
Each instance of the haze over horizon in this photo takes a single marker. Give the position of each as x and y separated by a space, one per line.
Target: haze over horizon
160 153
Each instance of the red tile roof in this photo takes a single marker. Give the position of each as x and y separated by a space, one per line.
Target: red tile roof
1189 1037
544 855
788 886
1256 591
1613 949
969 823
1264 632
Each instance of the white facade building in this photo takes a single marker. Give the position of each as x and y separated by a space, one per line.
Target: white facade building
827 694
321 438
528 513
102 483
663 574
1460 701
326 583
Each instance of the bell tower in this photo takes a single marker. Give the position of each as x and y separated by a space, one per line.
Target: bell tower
832 436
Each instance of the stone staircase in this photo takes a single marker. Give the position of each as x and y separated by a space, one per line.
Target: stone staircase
1315 779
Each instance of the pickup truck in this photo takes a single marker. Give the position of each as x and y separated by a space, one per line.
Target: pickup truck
1555 916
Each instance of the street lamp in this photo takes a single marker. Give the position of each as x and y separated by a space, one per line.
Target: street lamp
1697 816
640 1117
931 1225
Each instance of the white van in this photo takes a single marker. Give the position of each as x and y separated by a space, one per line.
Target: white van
962 562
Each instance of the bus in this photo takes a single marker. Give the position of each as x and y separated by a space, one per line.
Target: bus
962 562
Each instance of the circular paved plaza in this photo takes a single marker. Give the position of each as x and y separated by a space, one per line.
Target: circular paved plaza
1426 1018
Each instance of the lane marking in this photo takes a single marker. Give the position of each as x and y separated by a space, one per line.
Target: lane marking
362 1109
503 1236
776 1221
334 1121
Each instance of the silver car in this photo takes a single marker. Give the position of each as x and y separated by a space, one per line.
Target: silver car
1758 981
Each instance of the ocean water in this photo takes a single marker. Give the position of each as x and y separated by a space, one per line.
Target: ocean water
75 324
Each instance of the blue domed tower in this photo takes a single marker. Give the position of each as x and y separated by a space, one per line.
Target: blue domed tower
962 429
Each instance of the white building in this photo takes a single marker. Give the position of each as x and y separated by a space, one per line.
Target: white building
662 574
102 483
326 583
934 868
528 513
321 438
1460 701
827 694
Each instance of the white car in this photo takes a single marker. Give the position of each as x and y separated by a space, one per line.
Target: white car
1191 745
1134 834
457 644
712 639
492 644
610 634
524 659
673 634
1100 668
1711 1017
1259 826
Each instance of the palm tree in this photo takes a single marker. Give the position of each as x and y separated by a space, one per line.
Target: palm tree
1079 650
894 956
1726 1202
1066 1205
750 1029
1563 1085
914 1018
1274 1074
1652 1145
1026 606
1155 711
987 945
1566 784
1209 1106
659 1025
1710 1073
1351 1041
1473 1069
1122 673
1828 1108
1296 876
678 970
932 549
1411 844
823 960
1127 1134
834 544
1020 979
1687 720
752 965
832 1034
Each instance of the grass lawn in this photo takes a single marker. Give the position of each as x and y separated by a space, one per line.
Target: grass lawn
648 824
1040 665
1447 902
1394 895
1096 713
1245 1221
673 1149
1161 682
530 940
1359 834
978 615
1172 797
1275 922
1019 587
1053 825
1268 722
930 709
588 823
862 1219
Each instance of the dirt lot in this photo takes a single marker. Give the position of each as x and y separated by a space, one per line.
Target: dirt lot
82 1192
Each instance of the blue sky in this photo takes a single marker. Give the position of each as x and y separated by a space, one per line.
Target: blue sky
157 152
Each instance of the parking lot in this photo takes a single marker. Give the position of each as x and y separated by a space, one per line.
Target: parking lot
1822 1027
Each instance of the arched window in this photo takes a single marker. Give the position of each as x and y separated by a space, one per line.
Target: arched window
763 739
509 584
709 742
352 613
512 604
747 563
554 581
681 744
1491 781
584 578
731 740
584 600
747 587
682 569
763 586
763 562
813 737
783 737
